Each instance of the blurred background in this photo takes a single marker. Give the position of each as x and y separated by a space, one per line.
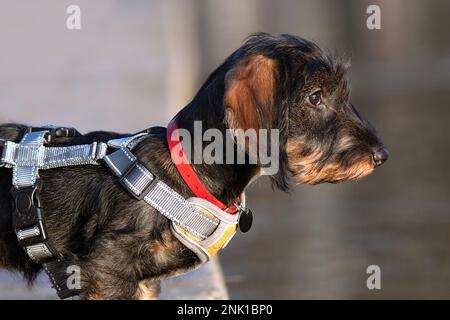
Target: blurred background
134 64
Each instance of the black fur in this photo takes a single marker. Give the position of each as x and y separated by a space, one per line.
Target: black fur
119 242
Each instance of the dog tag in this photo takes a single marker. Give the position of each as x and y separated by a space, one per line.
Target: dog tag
245 220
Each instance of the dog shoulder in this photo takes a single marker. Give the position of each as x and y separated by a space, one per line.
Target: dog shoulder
11 132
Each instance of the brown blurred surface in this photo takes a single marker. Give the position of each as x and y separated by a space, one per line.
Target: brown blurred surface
134 63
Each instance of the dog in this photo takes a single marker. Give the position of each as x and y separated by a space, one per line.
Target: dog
125 247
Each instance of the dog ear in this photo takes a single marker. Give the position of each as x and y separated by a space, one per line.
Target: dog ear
249 93
250 90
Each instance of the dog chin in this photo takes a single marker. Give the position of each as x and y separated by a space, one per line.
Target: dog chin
353 173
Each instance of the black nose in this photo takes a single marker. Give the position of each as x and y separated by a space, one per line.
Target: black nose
380 156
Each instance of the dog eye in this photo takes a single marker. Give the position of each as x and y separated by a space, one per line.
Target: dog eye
316 98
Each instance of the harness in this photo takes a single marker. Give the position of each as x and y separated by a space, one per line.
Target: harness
202 223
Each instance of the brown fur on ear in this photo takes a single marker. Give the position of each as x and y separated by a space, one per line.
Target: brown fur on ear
250 89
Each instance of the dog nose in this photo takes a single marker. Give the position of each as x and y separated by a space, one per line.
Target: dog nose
380 156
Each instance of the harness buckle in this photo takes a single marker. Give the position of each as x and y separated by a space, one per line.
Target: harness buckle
55 132
27 218
62 132
129 175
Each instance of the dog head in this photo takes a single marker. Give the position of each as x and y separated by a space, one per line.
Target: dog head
287 83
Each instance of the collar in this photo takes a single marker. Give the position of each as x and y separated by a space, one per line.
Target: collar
188 174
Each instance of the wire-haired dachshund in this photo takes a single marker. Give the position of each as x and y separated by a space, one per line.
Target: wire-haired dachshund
125 247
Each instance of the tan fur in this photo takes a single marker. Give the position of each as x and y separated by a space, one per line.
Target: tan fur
92 296
249 93
306 169
161 251
146 292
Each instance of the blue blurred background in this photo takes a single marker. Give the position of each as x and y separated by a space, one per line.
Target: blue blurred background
134 64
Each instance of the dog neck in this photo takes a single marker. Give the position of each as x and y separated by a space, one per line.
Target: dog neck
225 181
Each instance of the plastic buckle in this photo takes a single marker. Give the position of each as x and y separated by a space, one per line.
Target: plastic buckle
149 187
56 132
27 216
62 132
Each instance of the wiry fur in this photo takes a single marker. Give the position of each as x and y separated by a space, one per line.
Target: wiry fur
123 246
